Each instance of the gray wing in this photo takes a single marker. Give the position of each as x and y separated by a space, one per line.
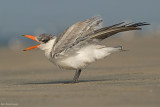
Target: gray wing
77 30
111 30
86 31
105 32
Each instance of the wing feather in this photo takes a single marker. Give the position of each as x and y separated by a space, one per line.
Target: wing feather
88 30
109 31
70 35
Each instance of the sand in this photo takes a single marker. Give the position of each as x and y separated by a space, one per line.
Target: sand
124 79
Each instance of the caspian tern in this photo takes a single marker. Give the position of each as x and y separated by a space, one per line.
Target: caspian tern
79 45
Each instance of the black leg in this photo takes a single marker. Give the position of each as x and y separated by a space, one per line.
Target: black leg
76 76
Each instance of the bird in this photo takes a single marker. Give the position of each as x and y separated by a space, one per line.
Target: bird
80 44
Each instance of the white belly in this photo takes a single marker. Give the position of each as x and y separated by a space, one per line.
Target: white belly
85 56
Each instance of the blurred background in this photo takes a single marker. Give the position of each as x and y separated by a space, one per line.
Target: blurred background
53 16
124 79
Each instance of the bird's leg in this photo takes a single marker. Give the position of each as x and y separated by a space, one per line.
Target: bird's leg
76 76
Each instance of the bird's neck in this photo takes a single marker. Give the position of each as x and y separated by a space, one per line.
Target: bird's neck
47 47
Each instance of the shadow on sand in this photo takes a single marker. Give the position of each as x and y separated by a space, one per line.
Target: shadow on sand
63 82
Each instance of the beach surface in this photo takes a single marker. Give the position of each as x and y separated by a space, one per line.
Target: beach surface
124 79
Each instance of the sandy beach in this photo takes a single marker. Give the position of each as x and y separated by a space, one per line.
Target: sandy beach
124 79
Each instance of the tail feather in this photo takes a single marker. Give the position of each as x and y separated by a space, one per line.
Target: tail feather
120 48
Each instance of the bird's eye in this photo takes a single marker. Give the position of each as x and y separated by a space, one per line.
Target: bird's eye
44 41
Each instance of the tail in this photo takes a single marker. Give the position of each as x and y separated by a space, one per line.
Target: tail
120 48
111 30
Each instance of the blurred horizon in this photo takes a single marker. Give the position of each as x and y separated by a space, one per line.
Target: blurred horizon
53 16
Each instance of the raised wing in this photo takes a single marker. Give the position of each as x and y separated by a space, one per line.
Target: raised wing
111 30
88 30
105 32
77 30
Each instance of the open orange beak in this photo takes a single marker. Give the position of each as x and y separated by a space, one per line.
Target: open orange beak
33 38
